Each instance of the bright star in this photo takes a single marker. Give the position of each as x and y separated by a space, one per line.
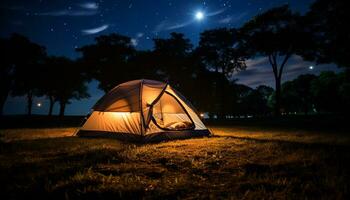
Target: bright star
199 15
311 67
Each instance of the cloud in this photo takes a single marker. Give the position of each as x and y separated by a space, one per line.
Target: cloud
225 20
139 35
260 72
134 42
161 26
95 30
179 25
233 18
89 5
59 13
218 12
165 25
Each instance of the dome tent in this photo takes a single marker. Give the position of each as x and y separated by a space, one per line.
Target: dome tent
143 110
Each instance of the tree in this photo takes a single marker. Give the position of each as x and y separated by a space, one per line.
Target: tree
241 101
51 80
277 34
218 49
108 60
67 82
263 93
325 90
26 58
344 91
143 65
328 24
62 80
219 53
6 71
172 57
297 95
173 60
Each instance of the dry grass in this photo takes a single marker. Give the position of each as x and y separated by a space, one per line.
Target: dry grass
244 163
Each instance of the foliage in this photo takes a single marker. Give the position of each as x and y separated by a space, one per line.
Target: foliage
107 60
297 94
26 59
219 51
326 92
204 74
277 34
328 24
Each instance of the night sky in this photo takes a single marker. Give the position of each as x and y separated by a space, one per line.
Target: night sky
63 25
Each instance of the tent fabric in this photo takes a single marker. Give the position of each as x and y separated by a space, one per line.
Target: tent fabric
143 108
119 122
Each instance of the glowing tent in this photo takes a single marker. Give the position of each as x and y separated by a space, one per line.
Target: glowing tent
143 110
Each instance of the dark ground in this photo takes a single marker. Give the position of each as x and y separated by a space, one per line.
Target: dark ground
290 158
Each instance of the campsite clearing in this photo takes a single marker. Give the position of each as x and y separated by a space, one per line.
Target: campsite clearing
237 162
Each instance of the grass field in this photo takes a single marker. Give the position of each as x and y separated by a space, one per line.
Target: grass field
237 162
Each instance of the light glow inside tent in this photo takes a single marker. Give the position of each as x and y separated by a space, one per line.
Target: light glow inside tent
143 107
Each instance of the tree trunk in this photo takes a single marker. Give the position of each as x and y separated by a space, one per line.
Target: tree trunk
62 108
29 103
278 97
277 71
2 103
5 90
306 108
52 102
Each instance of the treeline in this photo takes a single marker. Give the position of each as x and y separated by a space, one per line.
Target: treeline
203 73
327 93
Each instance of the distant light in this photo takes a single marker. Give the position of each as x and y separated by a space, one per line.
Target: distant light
38 104
311 67
202 114
199 15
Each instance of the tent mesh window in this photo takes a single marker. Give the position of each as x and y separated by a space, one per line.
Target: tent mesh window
169 114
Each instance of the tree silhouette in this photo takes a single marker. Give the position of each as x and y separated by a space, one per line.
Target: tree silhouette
172 60
51 81
278 34
219 50
219 54
142 65
6 71
328 23
344 90
297 95
27 58
325 90
179 64
108 60
68 82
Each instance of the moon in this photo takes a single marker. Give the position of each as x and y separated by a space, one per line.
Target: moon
199 15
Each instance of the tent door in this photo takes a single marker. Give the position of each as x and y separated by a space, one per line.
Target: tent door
169 114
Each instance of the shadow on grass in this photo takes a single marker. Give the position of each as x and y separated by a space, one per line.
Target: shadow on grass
307 145
80 168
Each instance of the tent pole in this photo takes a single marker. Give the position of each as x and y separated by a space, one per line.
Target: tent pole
141 110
